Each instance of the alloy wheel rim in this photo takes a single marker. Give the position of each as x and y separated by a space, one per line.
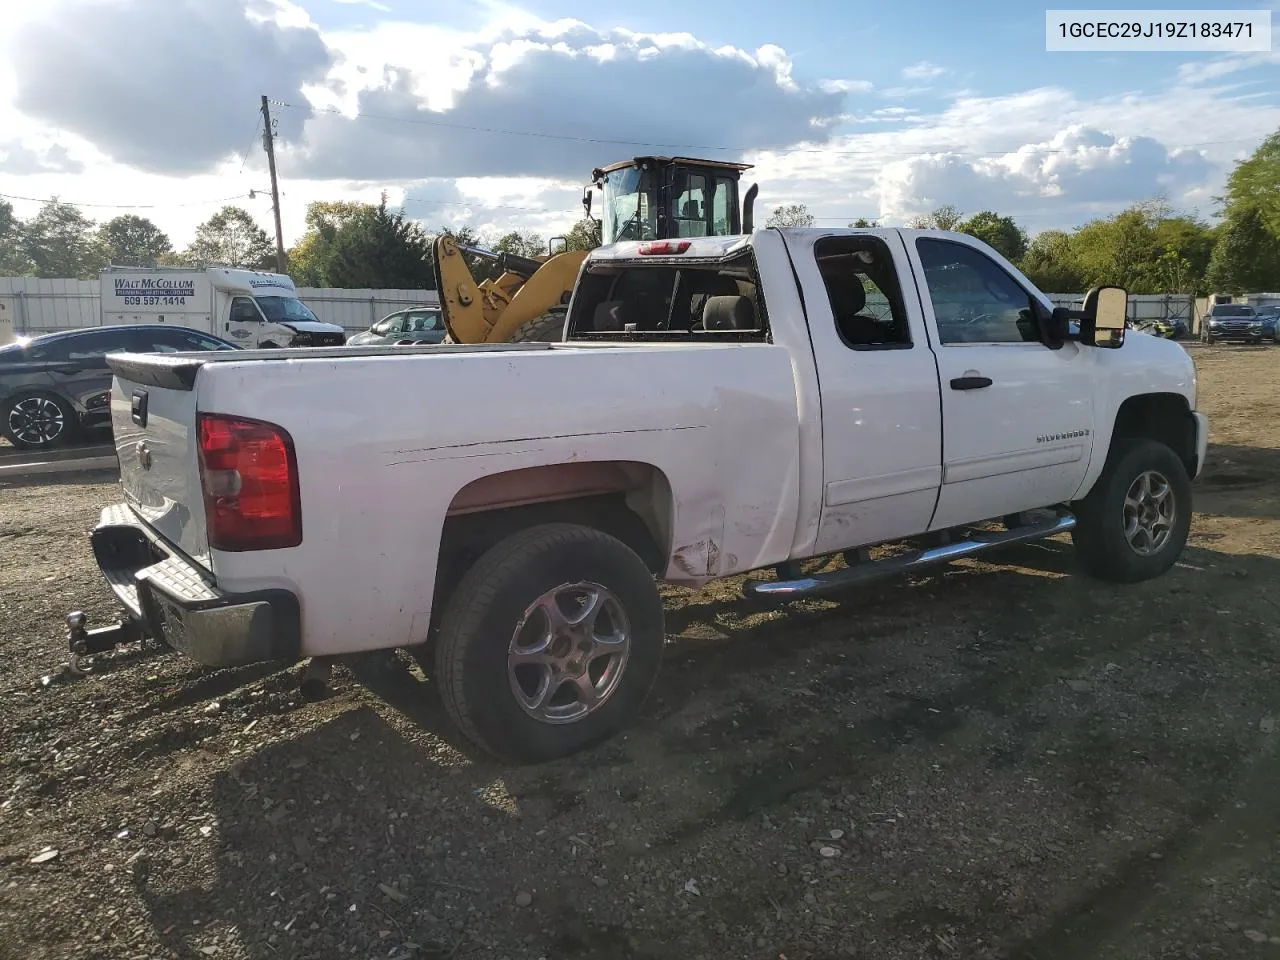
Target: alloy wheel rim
36 420
1150 509
568 652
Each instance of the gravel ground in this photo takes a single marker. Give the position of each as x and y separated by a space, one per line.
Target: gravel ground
1001 759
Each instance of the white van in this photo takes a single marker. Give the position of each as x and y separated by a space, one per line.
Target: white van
248 307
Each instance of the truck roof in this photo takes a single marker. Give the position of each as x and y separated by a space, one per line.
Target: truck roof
712 248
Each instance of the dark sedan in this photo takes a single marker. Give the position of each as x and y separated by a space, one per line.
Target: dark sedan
54 386
1231 321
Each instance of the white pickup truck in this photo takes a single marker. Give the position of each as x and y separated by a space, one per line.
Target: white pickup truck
718 406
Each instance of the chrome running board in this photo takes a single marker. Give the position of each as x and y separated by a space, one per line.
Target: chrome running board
975 541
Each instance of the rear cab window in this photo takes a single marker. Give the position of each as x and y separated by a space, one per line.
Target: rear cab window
863 292
669 298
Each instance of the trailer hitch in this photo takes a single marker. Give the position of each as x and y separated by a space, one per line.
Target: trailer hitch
86 643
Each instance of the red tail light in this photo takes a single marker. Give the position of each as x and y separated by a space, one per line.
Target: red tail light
249 474
663 247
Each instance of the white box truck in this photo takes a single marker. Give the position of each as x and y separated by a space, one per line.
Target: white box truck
254 309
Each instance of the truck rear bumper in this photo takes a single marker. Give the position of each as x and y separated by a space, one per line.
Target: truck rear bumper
175 601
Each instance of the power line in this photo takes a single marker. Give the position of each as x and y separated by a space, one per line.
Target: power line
257 119
126 206
701 146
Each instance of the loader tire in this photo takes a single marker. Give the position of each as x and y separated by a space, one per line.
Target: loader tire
550 644
548 328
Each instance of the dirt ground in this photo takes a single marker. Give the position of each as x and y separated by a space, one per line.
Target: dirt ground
1001 759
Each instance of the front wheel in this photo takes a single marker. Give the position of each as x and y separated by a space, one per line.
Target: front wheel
550 644
37 421
1134 523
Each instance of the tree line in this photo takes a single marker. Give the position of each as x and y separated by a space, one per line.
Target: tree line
1147 248
345 244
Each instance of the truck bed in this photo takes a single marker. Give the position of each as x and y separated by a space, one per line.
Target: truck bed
389 441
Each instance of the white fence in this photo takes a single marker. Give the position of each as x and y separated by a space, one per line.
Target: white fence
42 306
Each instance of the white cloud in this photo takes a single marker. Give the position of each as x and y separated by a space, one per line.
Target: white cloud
185 104
371 4
1214 68
173 130
1043 155
924 70
557 100
1087 167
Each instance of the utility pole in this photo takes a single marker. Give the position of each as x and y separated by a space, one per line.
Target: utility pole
268 143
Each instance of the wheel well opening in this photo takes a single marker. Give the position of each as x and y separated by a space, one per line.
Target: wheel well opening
625 499
1164 417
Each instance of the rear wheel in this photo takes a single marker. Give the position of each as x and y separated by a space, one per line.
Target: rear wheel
1134 523
550 643
37 421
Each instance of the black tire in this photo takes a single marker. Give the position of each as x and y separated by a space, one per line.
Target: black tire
53 410
479 629
1100 534
548 328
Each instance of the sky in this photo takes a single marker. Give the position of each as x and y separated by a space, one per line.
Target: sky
492 114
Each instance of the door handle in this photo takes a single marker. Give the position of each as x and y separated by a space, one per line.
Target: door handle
970 383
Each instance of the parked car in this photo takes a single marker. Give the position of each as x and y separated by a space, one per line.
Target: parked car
1270 318
415 325
716 406
1231 321
54 386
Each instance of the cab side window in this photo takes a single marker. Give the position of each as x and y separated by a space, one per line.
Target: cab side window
974 299
862 289
244 310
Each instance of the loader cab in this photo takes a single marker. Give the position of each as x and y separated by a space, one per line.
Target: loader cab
658 198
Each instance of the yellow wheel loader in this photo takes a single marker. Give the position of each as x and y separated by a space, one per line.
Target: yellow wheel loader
645 198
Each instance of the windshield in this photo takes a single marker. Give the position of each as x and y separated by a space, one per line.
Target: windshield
285 309
1231 310
629 213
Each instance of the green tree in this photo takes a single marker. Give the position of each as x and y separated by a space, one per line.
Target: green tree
309 259
1050 263
945 217
1255 183
1246 258
1122 249
13 259
863 223
374 247
133 241
59 242
999 233
584 235
791 215
1190 239
231 238
526 244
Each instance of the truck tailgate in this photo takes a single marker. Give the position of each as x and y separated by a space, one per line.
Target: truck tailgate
153 418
